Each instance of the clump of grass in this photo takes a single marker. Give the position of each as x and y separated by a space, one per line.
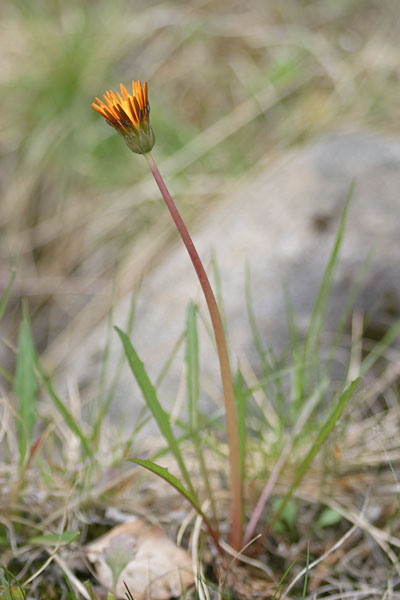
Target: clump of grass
279 436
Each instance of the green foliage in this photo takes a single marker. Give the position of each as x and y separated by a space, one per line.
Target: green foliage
241 396
153 404
6 295
10 588
307 571
196 419
54 539
322 434
288 516
71 592
313 337
328 517
171 479
63 410
283 579
117 556
25 386
192 366
175 483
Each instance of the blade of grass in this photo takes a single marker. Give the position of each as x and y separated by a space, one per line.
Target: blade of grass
169 478
380 348
192 366
297 372
168 362
110 395
317 318
25 386
107 347
7 376
267 359
307 571
286 573
266 368
323 433
71 592
218 290
6 295
10 586
290 445
54 539
241 395
63 410
151 399
349 306
207 423
193 388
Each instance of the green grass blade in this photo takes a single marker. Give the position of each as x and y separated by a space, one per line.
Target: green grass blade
150 396
10 588
291 321
7 376
25 387
307 571
192 366
54 539
63 410
172 480
193 391
282 580
218 291
323 433
241 395
266 367
207 423
349 306
71 594
107 348
268 360
5 588
321 303
6 295
380 348
171 357
297 372
118 372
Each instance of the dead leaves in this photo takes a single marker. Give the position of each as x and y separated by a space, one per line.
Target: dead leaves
143 557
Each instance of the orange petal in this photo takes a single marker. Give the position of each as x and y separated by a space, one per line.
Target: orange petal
135 115
124 92
99 109
146 101
100 102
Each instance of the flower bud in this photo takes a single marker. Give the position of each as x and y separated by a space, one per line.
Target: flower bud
129 115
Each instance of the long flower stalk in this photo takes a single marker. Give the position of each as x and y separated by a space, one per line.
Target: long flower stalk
222 349
129 114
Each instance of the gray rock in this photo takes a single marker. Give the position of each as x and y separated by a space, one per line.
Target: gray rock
283 224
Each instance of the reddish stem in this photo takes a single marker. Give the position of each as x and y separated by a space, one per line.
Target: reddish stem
222 349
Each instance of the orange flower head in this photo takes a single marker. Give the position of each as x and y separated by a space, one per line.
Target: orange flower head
129 115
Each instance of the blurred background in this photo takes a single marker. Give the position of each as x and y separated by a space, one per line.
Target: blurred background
232 86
